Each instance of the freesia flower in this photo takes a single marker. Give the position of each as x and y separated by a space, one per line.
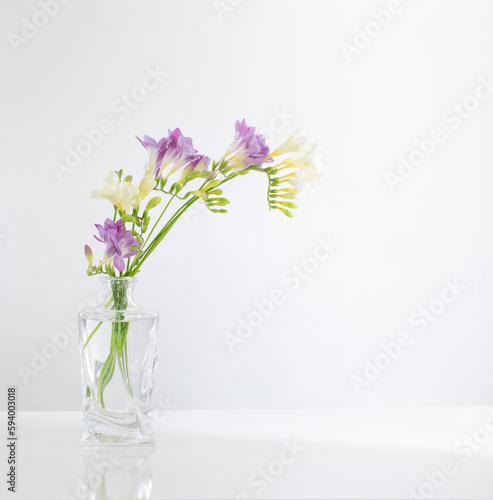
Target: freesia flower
306 180
156 151
147 184
108 188
169 154
247 149
296 141
119 243
125 195
197 163
302 167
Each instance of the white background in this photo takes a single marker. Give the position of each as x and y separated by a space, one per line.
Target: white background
255 60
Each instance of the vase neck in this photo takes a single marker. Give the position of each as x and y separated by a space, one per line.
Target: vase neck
119 292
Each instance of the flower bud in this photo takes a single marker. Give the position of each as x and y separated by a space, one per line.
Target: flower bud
88 254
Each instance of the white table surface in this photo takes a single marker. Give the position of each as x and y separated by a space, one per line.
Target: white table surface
342 453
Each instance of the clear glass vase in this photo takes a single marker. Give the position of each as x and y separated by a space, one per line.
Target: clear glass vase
118 342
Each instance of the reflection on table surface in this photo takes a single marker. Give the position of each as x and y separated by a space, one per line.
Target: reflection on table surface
123 473
338 453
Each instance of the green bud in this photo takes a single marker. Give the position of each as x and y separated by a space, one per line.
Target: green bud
88 254
219 201
130 218
200 194
153 202
285 212
204 174
212 184
145 224
288 204
128 178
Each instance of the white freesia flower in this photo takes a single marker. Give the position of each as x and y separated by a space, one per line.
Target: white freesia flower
297 175
296 142
125 195
108 189
147 184
128 193
306 180
312 166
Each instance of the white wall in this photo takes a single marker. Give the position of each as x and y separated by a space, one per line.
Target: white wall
259 58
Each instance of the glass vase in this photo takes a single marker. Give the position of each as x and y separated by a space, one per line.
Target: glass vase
118 343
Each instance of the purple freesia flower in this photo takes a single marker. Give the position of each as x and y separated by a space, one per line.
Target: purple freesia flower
118 242
174 151
196 163
248 148
155 150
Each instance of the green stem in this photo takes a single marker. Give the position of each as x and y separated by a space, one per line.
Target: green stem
167 227
157 222
118 343
162 234
110 300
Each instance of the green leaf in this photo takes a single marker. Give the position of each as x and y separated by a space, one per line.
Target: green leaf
106 374
130 218
153 202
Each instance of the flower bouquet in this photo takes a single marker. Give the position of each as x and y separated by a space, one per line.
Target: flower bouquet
119 338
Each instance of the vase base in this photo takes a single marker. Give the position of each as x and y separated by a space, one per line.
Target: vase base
104 430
